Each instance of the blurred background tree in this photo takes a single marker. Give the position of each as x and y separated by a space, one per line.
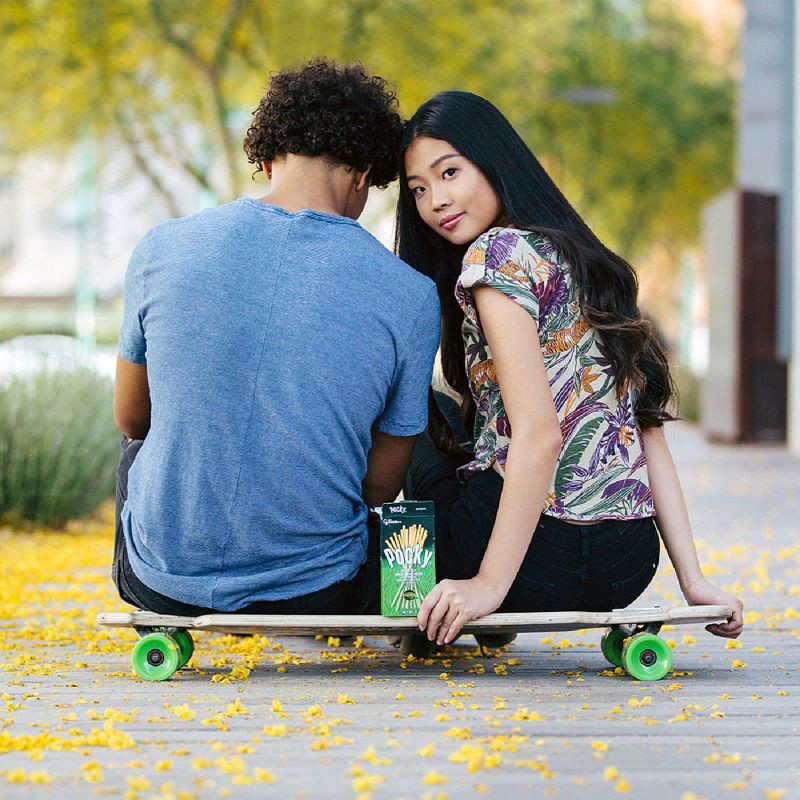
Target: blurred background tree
628 104
621 101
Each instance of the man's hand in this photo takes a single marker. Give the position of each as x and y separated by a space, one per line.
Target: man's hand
703 593
452 604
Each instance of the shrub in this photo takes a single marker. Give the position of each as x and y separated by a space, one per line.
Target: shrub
58 445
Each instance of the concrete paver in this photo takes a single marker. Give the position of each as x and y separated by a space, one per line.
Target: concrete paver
307 719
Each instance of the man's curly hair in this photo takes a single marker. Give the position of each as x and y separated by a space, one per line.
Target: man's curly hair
336 112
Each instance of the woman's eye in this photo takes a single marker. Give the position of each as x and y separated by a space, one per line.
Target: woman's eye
448 172
417 191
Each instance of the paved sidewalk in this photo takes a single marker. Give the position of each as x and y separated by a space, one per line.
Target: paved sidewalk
298 718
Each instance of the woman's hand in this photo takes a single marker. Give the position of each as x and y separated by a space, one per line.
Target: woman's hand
702 592
452 604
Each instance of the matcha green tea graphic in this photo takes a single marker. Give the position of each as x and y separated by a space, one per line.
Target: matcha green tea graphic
408 565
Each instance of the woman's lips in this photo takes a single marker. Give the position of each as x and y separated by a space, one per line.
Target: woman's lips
448 223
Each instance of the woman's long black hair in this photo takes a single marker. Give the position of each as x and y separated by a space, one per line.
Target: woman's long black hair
607 284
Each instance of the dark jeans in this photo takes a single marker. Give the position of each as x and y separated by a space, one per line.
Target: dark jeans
356 596
568 567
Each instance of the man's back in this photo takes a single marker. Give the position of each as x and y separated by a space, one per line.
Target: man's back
274 341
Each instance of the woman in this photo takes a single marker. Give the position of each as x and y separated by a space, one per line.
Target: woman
559 516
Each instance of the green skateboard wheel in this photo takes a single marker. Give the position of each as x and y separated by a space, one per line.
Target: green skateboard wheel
646 657
186 645
155 657
611 645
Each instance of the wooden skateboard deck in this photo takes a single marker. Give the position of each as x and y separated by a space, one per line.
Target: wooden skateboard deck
310 625
632 641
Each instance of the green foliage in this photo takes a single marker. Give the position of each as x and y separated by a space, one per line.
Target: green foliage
621 101
58 446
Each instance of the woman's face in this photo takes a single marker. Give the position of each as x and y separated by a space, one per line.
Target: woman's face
452 195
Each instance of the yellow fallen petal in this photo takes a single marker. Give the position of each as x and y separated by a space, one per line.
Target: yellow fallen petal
367 783
263 775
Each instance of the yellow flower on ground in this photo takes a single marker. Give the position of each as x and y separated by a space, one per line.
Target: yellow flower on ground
367 783
183 712
263 775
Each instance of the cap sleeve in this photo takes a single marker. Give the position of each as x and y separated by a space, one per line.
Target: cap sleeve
132 340
503 260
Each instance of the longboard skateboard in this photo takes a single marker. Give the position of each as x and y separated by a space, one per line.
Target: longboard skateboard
631 641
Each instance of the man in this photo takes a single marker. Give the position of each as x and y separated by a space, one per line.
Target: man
273 370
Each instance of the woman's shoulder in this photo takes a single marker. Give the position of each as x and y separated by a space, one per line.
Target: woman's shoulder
499 245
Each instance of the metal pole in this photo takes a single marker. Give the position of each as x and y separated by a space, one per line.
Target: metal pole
85 318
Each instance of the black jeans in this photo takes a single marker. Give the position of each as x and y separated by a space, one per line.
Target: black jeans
568 567
356 596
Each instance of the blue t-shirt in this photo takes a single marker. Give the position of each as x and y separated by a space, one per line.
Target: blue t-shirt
275 343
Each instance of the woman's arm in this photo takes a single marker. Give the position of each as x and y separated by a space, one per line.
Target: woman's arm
676 532
532 457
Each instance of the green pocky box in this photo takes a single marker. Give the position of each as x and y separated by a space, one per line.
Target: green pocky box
408 563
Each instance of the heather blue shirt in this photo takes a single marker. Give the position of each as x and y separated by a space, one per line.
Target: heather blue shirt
275 342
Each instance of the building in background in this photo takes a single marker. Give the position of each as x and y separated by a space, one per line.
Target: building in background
752 387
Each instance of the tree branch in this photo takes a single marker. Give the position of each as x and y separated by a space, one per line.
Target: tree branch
211 73
235 12
176 41
143 165
155 141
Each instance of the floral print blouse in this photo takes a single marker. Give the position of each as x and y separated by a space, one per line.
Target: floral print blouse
601 472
